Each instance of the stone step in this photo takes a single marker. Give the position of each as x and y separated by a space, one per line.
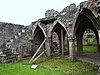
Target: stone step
6 51
9 60
10 57
9 54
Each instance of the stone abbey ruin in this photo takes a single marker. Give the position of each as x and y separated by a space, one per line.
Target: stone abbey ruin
50 35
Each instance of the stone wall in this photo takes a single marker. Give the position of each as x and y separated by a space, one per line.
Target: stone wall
8 30
22 44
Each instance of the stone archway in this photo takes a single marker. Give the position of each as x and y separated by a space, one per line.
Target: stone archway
85 20
60 31
39 36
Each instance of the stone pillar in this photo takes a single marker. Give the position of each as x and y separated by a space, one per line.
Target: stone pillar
48 46
79 45
71 48
62 43
98 48
51 42
98 42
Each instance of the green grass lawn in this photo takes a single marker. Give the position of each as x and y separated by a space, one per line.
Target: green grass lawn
90 49
86 49
49 66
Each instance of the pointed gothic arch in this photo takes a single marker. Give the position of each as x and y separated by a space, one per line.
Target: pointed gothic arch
85 19
54 24
59 28
38 25
38 35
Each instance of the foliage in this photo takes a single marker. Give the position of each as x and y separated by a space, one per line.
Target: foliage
66 51
90 41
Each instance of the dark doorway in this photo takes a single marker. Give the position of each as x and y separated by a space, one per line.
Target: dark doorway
38 38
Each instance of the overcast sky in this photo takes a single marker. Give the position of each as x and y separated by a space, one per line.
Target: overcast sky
26 11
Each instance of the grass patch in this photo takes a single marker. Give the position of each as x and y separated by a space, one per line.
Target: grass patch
86 49
49 66
90 49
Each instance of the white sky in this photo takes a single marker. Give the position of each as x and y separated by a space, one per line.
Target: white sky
26 11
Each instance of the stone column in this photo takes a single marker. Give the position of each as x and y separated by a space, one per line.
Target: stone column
79 45
48 45
98 47
98 42
71 48
51 42
62 43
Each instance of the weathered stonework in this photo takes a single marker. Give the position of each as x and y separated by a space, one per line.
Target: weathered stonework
7 31
70 23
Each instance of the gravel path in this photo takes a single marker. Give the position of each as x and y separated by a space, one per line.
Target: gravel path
93 58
